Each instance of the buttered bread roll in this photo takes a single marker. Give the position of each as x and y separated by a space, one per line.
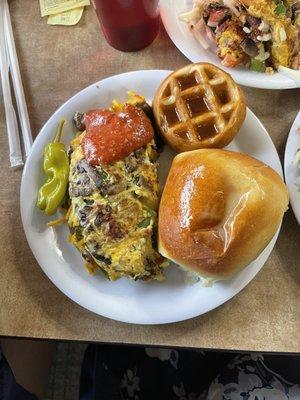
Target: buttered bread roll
219 210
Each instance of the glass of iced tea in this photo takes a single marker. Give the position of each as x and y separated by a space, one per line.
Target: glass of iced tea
128 25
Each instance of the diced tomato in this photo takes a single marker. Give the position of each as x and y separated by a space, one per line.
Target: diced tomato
215 17
230 61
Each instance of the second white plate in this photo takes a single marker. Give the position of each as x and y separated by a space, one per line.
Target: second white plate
188 45
124 300
291 171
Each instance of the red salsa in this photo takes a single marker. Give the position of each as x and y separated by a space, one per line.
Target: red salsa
113 135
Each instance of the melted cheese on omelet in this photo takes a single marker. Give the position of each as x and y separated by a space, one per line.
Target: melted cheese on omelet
113 216
229 41
283 32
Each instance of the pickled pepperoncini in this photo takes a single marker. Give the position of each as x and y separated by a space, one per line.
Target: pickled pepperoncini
56 168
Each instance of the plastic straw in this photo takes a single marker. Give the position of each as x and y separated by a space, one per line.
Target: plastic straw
17 81
15 153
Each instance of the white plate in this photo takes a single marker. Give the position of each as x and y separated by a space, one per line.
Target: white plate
188 45
291 172
124 300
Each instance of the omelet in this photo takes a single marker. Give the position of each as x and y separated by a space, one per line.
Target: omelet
113 213
229 42
284 33
261 34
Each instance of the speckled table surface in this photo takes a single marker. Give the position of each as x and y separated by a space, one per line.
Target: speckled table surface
56 62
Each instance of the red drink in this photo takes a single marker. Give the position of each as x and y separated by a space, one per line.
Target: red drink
128 25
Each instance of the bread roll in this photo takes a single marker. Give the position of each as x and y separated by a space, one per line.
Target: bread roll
219 210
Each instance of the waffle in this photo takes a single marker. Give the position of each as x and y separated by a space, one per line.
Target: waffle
199 106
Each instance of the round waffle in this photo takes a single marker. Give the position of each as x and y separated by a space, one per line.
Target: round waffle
199 106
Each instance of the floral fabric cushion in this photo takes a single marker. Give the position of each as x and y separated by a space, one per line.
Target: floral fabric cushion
138 373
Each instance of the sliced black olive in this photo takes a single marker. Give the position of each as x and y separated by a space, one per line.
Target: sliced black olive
147 110
80 168
83 191
130 164
78 120
89 201
139 181
100 218
157 137
102 258
87 256
97 175
104 215
139 153
83 214
89 228
85 209
84 180
70 151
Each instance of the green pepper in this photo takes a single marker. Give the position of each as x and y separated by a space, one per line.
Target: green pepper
78 233
280 9
152 213
56 168
258 66
144 223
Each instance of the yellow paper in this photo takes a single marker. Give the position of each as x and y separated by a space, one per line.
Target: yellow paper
50 7
70 17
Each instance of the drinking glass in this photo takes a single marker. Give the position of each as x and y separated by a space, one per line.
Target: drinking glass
128 25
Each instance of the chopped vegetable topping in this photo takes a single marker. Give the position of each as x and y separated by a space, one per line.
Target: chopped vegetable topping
238 31
280 9
144 223
258 66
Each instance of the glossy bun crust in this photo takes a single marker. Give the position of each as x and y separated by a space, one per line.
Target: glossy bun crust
219 210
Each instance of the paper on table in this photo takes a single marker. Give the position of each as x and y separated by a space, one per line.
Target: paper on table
50 7
70 17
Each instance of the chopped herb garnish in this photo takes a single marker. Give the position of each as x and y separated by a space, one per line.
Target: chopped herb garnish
258 66
151 212
78 233
280 9
104 176
144 223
